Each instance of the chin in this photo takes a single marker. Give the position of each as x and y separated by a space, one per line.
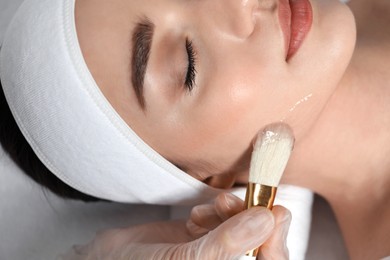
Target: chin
321 63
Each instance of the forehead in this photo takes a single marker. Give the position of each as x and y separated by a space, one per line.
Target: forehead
104 30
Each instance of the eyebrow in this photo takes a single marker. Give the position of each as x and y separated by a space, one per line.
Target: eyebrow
141 44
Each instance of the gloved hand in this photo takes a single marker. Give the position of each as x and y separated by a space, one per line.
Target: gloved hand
226 233
207 217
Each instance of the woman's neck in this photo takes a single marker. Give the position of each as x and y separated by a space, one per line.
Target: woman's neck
346 157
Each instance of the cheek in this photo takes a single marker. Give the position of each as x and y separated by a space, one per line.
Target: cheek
229 114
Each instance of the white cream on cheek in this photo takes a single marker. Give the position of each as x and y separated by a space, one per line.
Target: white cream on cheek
300 102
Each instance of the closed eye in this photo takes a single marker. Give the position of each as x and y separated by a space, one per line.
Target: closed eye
189 82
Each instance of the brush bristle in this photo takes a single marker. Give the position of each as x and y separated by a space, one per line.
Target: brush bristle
270 155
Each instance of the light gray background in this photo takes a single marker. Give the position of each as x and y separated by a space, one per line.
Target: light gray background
36 225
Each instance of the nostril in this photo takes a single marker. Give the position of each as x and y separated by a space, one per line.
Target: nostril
236 17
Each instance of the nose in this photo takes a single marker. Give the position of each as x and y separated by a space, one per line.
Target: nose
235 17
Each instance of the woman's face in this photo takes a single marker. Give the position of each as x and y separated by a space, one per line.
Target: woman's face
197 79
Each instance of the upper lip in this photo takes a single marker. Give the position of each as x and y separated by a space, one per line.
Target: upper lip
295 18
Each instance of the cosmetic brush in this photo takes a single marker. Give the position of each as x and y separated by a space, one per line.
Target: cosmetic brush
270 155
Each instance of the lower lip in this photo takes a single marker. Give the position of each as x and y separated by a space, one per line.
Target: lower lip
296 18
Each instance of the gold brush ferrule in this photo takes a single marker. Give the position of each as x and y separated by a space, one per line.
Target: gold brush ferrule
259 195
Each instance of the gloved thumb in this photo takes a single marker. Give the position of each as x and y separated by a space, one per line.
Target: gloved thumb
233 238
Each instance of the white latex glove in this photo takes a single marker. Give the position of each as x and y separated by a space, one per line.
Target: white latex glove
229 238
207 217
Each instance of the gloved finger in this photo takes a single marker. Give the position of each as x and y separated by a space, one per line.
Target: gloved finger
237 235
227 205
194 230
276 247
205 216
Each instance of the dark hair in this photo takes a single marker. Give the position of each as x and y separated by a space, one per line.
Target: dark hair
14 143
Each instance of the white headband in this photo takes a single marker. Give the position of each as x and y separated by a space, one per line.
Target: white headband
69 123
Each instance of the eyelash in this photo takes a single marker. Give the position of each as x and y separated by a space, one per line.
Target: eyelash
191 70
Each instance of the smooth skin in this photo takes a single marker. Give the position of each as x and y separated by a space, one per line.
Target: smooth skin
244 82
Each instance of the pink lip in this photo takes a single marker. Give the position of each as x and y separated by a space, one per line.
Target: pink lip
296 18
